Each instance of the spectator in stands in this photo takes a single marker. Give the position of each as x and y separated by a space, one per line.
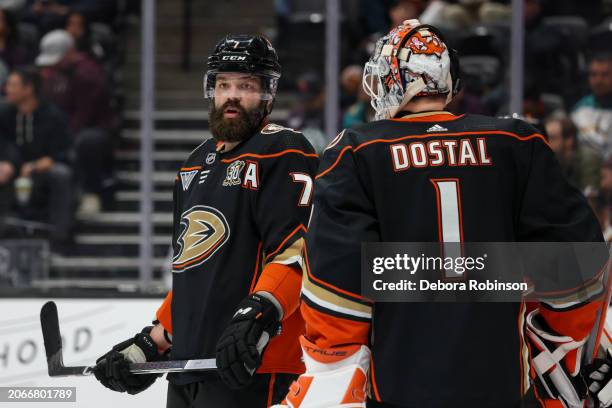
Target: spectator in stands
307 114
4 71
10 164
77 84
593 113
379 15
546 52
39 130
350 81
11 52
563 140
359 112
605 188
14 6
78 27
51 14
467 13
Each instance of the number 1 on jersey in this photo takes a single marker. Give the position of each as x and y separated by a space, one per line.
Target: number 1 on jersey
450 220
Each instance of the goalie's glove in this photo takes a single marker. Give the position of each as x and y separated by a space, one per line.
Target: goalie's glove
112 369
335 377
598 376
556 361
241 345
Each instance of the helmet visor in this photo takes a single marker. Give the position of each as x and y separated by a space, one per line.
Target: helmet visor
239 85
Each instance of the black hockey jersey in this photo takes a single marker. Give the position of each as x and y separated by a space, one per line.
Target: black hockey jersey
235 212
386 182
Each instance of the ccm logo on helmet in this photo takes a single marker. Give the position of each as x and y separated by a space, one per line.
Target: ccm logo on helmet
233 58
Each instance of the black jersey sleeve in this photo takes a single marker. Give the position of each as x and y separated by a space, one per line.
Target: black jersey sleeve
284 196
569 285
343 217
552 209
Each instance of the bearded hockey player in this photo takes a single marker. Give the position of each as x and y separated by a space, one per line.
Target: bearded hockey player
420 174
241 203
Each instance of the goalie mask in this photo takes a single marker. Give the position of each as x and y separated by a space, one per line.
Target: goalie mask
251 55
409 61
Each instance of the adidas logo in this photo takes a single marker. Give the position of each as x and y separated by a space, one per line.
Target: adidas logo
437 128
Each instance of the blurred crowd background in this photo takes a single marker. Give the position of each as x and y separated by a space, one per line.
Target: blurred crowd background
70 72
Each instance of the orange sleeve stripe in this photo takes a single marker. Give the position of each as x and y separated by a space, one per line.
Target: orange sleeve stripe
576 323
330 168
457 134
333 288
271 389
268 156
164 313
300 227
284 283
373 378
328 331
256 271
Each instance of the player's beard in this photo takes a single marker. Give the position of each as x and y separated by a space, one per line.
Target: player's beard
236 129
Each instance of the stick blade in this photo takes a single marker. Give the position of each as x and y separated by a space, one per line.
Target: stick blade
50 329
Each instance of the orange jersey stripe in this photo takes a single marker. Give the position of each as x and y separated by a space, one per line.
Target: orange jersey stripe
439 117
373 380
254 279
272 155
284 241
328 331
271 388
328 285
191 168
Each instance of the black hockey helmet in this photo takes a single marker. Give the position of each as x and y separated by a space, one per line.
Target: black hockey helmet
245 53
250 54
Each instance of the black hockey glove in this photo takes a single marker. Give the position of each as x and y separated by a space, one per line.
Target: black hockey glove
598 376
112 369
241 345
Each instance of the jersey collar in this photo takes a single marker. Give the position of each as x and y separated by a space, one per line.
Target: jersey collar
432 116
224 147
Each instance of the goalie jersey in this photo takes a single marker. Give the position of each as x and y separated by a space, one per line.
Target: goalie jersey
237 212
380 182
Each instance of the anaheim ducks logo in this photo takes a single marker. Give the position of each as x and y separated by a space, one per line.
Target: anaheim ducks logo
205 230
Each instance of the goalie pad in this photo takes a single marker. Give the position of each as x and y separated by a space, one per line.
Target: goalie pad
556 361
334 378
598 375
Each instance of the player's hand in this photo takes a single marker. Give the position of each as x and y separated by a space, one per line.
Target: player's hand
241 345
112 369
598 376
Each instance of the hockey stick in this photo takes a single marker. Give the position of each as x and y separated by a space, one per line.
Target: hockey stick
55 361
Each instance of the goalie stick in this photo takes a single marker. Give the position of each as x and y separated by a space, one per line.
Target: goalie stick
55 362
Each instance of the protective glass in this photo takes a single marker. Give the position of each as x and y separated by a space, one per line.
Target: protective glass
239 85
